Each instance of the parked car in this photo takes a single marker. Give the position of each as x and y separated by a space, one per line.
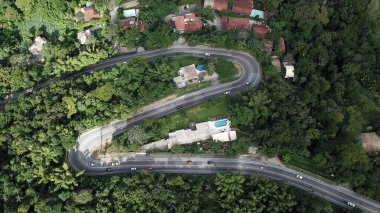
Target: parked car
299 177
210 162
108 169
351 204
207 54
189 162
149 168
248 83
91 164
133 169
228 92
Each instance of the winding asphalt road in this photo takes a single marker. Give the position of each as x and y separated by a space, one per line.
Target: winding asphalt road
80 157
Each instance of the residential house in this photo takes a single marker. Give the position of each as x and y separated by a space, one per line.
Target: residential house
218 130
134 22
261 30
86 35
289 71
220 5
36 48
187 23
243 7
186 75
131 13
230 23
89 13
370 142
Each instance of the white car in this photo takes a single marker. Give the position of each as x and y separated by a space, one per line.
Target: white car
248 83
207 54
228 92
115 163
351 204
133 169
299 177
29 90
91 164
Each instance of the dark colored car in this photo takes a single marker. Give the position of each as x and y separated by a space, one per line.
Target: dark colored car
108 169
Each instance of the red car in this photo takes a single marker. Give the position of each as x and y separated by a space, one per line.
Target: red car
149 168
189 162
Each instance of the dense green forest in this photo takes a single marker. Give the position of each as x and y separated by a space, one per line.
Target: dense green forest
335 45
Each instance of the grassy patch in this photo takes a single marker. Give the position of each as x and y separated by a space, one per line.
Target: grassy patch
226 71
198 113
181 61
193 88
306 164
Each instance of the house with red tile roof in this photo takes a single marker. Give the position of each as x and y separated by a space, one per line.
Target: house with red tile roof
261 30
282 45
187 23
89 13
221 5
243 7
230 23
133 22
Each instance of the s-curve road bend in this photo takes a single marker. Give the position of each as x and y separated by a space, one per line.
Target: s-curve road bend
250 67
213 165
80 157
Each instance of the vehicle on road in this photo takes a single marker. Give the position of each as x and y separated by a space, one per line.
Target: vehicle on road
133 169
210 162
149 168
228 92
179 107
262 167
91 164
29 90
108 169
115 164
351 204
248 83
189 162
207 54
299 177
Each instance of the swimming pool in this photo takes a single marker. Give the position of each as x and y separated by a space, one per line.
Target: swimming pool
220 123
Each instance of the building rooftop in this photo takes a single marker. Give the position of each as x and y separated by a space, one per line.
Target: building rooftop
289 71
243 7
261 30
187 23
37 46
221 5
89 13
230 23
370 142
133 22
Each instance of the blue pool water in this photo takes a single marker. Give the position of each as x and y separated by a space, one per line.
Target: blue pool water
220 123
